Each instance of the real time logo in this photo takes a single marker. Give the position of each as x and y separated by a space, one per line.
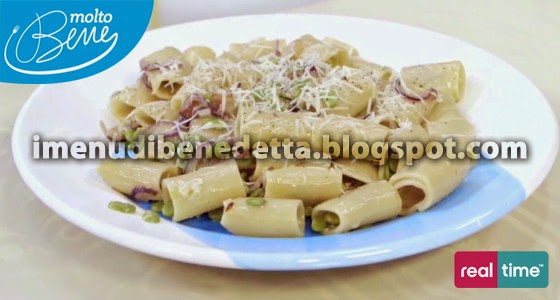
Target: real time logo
504 269
48 41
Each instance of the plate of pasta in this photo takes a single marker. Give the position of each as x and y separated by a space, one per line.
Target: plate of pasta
275 142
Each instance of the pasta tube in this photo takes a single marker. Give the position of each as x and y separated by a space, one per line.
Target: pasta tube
254 49
125 101
381 75
163 72
302 45
361 170
193 55
427 182
313 185
355 97
408 133
447 78
153 112
445 111
460 130
261 126
204 190
395 108
211 128
331 51
414 95
368 204
263 165
336 127
140 179
264 217
353 52
404 134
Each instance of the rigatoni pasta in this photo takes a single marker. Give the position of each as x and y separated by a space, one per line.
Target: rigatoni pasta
448 79
203 190
427 182
313 185
264 217
265 126
307 91
123 103
368 204
163 71
153 112
448 123
346 130
269 164
361 170
139 179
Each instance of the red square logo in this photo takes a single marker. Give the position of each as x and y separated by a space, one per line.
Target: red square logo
476 269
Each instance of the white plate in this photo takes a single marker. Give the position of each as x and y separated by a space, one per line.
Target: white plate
499 100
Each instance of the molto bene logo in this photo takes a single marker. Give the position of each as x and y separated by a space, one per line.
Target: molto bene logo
504 269
52 41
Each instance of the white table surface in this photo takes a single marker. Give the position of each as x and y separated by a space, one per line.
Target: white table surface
44 257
